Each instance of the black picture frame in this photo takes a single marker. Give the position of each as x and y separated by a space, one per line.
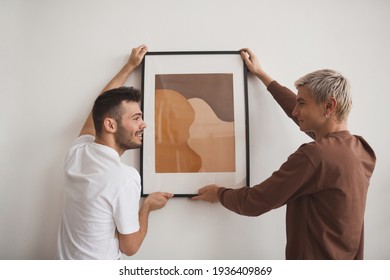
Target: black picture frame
164 72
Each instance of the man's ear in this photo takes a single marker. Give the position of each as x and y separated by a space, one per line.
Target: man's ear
330 105
110 125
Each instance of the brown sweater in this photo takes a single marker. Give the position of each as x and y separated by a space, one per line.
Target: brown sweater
324 184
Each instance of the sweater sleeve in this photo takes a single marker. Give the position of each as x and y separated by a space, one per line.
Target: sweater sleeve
286 99
296 177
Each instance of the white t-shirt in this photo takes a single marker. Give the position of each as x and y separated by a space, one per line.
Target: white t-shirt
101 196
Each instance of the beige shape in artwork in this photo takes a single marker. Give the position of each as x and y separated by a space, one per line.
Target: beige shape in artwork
212 139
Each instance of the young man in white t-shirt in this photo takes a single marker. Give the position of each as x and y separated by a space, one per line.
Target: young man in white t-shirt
102 218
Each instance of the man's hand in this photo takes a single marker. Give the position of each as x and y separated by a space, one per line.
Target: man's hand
253 65
251 61
157 200
135 59
208 193
137 55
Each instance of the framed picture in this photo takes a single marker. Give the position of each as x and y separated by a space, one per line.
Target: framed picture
195 108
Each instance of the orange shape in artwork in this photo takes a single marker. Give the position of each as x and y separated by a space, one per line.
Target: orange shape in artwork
173 117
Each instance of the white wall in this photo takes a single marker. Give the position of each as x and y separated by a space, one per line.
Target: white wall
55 57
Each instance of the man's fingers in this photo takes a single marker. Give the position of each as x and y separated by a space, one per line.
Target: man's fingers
198 197
167 195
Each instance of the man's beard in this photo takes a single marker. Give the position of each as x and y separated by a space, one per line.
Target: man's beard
124 140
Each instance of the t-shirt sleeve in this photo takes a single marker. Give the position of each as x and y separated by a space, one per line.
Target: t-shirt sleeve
126 207
81 140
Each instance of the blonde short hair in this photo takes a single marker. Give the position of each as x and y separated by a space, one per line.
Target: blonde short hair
329 83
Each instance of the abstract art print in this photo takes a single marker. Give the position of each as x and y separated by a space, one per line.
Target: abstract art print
195 108
194 123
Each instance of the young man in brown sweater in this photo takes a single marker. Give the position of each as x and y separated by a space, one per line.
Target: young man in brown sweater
324 183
